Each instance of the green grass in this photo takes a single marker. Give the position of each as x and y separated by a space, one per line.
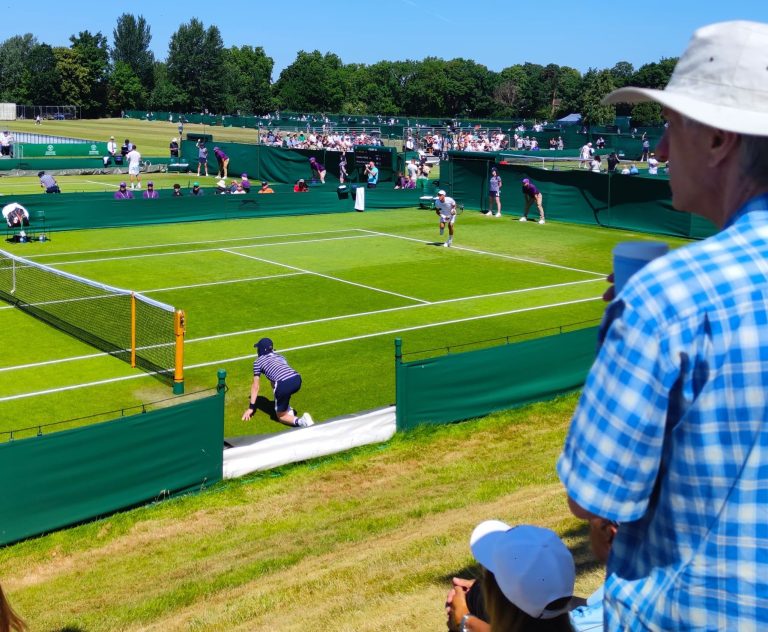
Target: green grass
366 540
333 291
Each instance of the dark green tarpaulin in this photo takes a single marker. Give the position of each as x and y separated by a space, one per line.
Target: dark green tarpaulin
100 210
641 203
465 385
67 477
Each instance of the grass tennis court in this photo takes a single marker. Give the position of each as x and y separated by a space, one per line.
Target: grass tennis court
333 291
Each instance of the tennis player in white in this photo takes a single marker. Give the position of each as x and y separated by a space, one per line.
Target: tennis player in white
445 207
134 166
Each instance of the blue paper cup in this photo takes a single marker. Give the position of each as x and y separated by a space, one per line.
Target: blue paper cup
631 256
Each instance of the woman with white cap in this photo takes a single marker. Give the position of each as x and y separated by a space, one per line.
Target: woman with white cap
528 580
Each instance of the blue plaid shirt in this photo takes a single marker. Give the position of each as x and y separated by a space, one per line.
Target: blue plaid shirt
670 438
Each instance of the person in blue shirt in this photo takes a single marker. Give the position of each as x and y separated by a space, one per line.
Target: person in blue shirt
372 173
285 382
670 439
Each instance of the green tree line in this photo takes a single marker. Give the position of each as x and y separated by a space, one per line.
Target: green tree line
200 73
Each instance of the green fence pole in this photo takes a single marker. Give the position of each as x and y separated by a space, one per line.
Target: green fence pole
399 403
221 387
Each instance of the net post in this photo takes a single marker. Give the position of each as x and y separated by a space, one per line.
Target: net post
133 330
179 329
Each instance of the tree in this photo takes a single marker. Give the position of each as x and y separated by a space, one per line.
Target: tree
41 77
249 77
14 57
646 114
427 91
165 95
622 73
569 87
312 83
92 53
75 79
597 83
195 60
512 93
132 38
655 75
125 90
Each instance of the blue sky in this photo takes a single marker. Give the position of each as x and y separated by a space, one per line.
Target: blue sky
493 33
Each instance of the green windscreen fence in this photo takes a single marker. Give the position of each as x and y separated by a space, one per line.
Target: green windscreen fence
638 203
277 164
465 385
64 478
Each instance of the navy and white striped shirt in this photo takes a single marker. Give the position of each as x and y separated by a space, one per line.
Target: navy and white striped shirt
274 366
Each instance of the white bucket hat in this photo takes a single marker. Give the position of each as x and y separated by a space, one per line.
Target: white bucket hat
721 80
531 565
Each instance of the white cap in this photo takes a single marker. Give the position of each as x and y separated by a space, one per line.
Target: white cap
441 192
222 183
531 565
721 80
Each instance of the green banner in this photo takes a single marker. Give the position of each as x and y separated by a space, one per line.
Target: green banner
57 480
465 385
55 150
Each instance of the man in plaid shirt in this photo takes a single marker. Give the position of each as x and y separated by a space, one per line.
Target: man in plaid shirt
669 438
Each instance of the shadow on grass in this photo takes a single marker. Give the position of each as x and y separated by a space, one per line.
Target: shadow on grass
267 406
70 628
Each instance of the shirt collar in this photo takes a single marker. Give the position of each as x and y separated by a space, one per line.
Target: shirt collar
758 203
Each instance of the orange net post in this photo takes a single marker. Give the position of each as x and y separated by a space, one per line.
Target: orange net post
179 329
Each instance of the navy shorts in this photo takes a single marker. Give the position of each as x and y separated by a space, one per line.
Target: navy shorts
493 194
283 392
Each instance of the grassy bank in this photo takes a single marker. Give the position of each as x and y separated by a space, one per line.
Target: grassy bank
367 540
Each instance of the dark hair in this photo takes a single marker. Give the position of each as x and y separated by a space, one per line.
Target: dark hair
9 620
504 616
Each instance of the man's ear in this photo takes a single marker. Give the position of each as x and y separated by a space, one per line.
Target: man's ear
721 144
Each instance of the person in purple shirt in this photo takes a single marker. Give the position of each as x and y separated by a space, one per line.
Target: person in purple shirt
245 182
122 193
318 170
150 193
532 195
223 161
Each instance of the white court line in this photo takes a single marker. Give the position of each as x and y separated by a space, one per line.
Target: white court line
490 254
195 285
316 321
386 310
106 184
326 276
199 250
191 243
309 346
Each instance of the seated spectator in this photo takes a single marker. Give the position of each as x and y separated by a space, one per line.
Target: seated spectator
174 148
233 186
15 215
300 187
48 182
633 171
123 193
196 190
245 182
177 190
528 579
239 190
653 165
597 164
150 193
401 181
221 187
265 188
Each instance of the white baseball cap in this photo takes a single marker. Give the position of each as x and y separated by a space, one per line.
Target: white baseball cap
441 192
721 80
531 565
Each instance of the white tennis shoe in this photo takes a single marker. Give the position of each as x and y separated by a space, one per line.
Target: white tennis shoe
523 219
305 421
541 221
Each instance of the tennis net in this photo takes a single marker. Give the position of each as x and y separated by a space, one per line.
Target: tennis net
141 331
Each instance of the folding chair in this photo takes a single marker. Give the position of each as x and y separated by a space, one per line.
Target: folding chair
38 229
